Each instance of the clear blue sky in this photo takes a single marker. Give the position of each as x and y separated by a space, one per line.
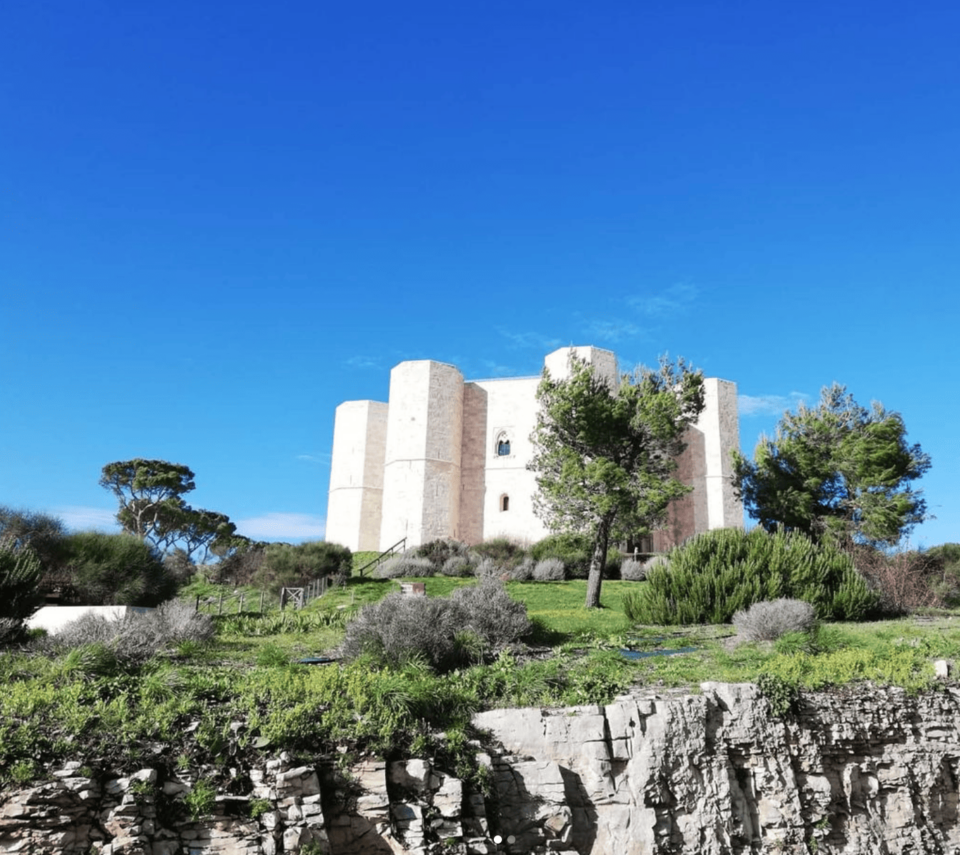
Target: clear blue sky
218 221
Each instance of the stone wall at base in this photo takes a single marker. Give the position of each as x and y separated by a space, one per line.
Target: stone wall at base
861 770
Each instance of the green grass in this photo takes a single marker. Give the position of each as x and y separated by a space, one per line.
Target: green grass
76 705
559 608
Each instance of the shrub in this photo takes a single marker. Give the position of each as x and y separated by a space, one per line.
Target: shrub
405 565
502 551
488 610
438 552
720 572
135 637
20 571
768 620
487 567
523 572
573 550
657 561
632 571
906 580
549 570
402 629
287 566
115 570
457 565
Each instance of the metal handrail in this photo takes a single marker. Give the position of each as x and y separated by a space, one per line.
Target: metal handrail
379 559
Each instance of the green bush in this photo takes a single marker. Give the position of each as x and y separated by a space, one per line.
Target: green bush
438 552
115 570
573 550
20 572
502 551
287 566
720 572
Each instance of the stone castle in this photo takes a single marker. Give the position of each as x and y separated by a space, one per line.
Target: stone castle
448 458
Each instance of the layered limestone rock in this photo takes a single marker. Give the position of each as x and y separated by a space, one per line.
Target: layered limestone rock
859 771
853 772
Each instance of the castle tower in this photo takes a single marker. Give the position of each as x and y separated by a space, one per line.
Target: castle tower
604 362
422 478
356 475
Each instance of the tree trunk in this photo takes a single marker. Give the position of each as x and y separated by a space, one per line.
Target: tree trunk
597 562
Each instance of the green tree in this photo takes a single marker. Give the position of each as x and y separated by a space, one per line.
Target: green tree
835 470
150 493
605 454
152 507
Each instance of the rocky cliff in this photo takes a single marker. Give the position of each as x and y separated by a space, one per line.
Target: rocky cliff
863 770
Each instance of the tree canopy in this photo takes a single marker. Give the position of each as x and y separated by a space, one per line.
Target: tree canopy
152 507
605 452
835 470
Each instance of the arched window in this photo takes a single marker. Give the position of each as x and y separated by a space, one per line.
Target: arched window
504 502
503 444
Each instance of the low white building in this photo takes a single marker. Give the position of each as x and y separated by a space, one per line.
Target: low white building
447 457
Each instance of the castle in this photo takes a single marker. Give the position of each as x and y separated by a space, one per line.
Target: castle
448 458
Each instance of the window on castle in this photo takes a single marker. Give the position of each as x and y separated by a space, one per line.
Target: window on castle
503 447
504 503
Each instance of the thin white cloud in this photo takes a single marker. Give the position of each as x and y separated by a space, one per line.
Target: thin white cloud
363 362
613 331
319 457
768 405
279 526
80 518
536 340
675 299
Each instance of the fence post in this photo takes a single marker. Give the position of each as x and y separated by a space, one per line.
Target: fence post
261 601
220 605
196 607
240 607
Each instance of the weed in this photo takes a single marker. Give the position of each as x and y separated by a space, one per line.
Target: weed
201 799
258 807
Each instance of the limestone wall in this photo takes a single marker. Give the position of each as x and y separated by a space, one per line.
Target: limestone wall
511 412
356 475
863 770
421 481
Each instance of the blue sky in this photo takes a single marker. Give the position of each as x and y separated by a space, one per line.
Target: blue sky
218 221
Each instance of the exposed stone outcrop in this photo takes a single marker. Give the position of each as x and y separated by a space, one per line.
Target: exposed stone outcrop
859 771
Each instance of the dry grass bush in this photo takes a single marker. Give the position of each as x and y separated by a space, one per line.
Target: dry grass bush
906 580
405 565
488 610
401 629
523 572
549 570
632 570
490 568
135 637
457 565
768 620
